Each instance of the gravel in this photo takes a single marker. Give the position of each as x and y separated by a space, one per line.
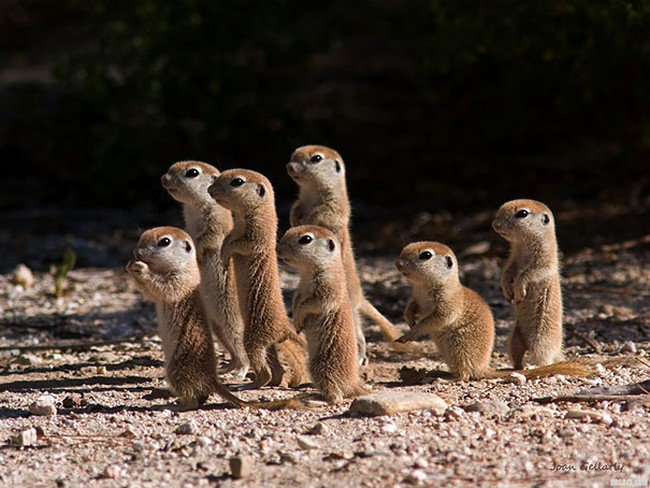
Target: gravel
113 431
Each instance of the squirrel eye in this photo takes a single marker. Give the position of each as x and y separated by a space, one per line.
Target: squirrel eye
164 242
237 182
192 173
306 239
424 256
316 158
522 214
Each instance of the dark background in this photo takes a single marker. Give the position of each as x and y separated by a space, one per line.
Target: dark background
442 107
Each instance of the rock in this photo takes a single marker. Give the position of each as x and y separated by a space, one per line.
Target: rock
105 357
454 413
74 400
496 407
629 346
416 477
203 441
306 444
101 370
317 429
44 405
112 471
389 428
22 276
188 428
287 457
26 437
387 402
602 417
28 359
518 378
241 467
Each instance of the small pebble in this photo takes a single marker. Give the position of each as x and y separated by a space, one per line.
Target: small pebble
112 471
74 400
203 441
23 277
306 443
518 378
416 477
241 467
43 405
629 346
27 437
188 428
317 429
389 428
101 369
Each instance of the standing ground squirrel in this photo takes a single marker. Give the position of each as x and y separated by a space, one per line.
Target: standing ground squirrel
321 308
165 270
457 318
208 224
323 200
252 246
531 280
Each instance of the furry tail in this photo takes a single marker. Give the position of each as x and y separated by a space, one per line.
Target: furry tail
580 367
388 330
297 402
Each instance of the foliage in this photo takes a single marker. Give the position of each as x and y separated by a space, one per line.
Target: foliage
245 81
60 272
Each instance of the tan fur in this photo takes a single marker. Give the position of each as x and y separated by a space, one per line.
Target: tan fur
208 224
321 308
457 319
323 200
531 281
169 276
251 245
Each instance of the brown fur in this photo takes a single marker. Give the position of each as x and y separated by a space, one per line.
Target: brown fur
531 281
321 309
170 277
251 245
323 200
458 319
208 224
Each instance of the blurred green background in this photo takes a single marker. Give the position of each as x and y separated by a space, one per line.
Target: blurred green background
433 104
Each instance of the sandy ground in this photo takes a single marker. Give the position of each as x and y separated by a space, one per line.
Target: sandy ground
121 431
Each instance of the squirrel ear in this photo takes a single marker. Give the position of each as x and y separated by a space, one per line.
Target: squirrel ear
261 191
331 245
545 219
188 246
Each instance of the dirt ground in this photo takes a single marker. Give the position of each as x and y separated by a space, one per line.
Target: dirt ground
121 430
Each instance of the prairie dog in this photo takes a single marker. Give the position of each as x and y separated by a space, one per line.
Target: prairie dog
251 245
458 319
531 281
165 270
321 309
208 224
323 200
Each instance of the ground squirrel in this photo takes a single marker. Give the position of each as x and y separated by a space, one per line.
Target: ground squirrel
323 200
252 246
165 270
531 280
208 224
321 308
459 320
